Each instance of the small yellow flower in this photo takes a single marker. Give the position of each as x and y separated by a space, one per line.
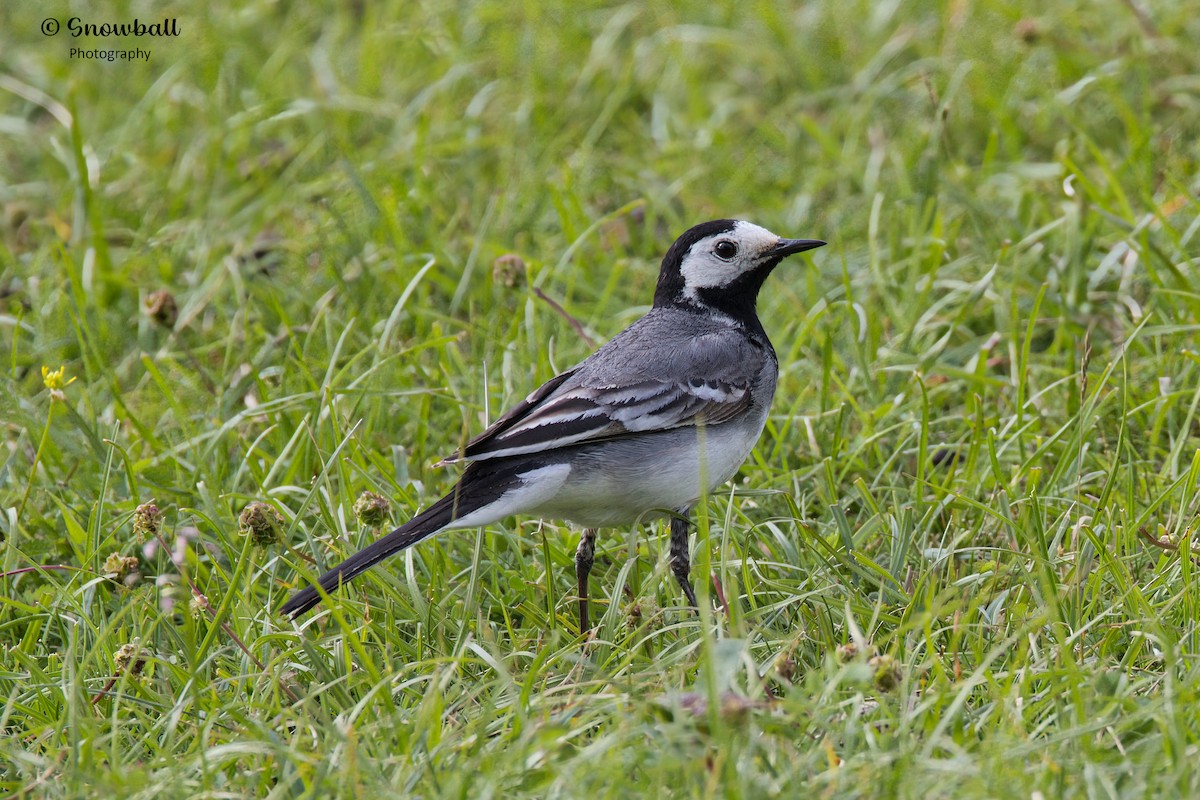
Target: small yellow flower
56 381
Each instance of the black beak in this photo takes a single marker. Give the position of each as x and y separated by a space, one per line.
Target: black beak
787 247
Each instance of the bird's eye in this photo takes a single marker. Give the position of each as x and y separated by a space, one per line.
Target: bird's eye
725 250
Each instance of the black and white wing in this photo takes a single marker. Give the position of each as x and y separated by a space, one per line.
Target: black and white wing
624 389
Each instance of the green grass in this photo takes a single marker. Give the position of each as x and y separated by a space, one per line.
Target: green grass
989 388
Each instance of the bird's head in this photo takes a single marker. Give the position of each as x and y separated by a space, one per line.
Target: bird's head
722 264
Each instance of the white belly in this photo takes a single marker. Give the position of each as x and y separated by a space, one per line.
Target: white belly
618 483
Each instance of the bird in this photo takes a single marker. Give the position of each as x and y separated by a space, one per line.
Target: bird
642 429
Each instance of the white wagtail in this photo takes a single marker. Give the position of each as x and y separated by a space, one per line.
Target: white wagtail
643 428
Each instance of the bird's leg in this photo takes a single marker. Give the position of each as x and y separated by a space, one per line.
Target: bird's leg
583 567
681 564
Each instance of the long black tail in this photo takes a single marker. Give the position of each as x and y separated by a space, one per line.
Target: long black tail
482 483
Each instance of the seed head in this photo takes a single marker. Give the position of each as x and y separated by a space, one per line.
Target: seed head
1027 30
508 270
262 523
785 668
887 672
161 307
118 567
847 652
128 657
147 521
371 510
196 608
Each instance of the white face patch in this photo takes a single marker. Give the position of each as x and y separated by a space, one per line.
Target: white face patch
717 261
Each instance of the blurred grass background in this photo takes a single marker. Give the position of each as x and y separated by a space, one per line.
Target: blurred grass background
938 573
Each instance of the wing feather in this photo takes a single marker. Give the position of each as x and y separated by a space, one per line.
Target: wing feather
706 381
